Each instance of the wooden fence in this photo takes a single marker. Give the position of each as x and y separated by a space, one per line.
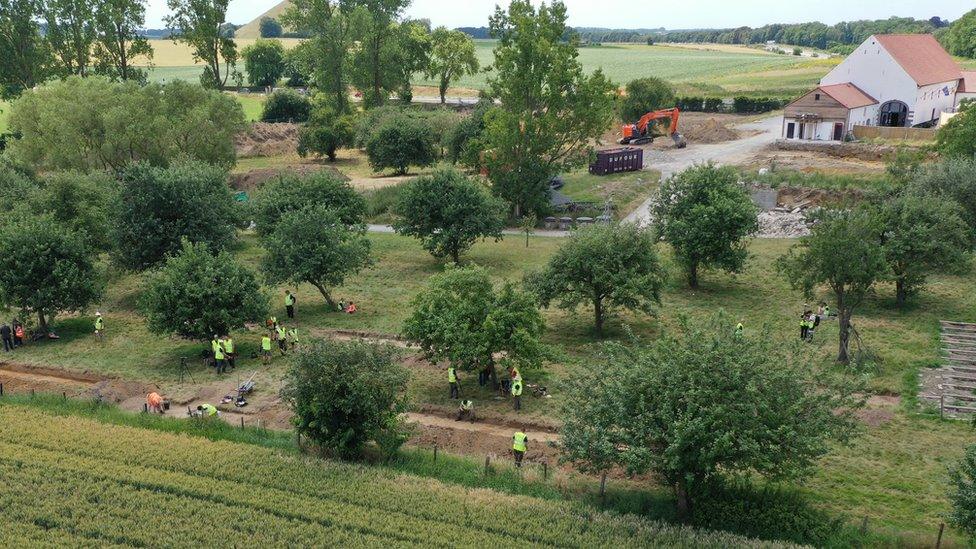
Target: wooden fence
907 134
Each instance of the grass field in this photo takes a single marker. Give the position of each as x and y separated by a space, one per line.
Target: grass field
715 70
75 481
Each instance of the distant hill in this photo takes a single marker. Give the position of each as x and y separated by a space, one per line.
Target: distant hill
253 29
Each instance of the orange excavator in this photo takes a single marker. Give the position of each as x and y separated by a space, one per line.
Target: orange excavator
641 132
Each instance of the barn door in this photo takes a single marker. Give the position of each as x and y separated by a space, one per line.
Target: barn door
838 132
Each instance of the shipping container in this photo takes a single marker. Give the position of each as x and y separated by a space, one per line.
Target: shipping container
627 159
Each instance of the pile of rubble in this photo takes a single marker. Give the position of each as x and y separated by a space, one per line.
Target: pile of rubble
783 223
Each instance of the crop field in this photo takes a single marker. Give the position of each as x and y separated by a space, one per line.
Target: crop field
701 69
68 480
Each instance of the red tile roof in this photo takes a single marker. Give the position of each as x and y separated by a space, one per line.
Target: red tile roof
968 82
849 95
922 57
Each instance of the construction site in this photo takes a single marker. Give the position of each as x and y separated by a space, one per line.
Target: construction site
470 302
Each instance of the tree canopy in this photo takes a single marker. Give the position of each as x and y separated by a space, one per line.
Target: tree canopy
327 25
922 235
27 59
957 138
400 143
264 61
605 267
196 294
702 404
326 131
347 394
461 317
448 212
292 192
952 180
960 39
46 268
549 109
452 56
108 125
119 46
705 214
843 252
963 493
645 95
270 28
157 208
315 246
200 25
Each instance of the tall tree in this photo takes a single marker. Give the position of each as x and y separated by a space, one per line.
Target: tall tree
604 267
452 56
26 59
326 130
48 269
198 24
703 404
373 62
922 235
549 112
314 246
844 253
119 43
449 212
327 24
705 214
292 192
264 61
71 32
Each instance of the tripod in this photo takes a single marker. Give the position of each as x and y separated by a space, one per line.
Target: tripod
185 370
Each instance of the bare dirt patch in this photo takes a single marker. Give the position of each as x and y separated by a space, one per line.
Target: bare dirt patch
264 139
22 379
254 179
879 410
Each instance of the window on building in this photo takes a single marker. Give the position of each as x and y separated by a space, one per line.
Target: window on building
816 97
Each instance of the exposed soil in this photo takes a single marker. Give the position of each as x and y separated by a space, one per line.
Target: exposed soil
813 161
880 409
22 378
696 127
264 139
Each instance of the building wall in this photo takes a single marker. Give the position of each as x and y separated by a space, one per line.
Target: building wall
875 71
932 100
822 130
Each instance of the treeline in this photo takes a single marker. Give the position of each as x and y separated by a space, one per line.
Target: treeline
815 35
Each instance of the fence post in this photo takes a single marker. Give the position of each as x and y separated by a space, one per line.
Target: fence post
32 392
864 525
545 470
145 408
242 423
64 395
435 452
603 486
938 542
487 463
1 389
942 407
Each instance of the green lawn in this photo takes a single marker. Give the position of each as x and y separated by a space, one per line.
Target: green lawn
625 190
253 105
894 474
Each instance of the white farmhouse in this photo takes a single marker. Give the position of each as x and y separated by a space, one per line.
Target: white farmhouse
893 80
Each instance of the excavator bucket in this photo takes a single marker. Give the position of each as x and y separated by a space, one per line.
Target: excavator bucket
679 140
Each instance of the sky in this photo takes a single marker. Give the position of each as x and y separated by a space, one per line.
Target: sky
633 14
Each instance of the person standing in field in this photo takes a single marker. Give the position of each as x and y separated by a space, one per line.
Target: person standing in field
293 338
19 333
220 362
230 352
266 349
290 304
452 380
99 325
519 446
7 335
517 393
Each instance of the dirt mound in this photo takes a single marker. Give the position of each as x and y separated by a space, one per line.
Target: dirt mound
248 181
707 131
264 139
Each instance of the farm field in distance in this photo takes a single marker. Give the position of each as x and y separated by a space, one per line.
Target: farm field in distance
719 70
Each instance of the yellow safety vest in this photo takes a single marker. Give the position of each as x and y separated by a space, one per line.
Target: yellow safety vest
265 343
209 409
467 405
517 388
229 345
281 332
289 300
451 375
214 345
219 353
293 335
518 443
98 323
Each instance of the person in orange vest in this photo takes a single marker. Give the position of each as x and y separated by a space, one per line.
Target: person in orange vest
351 308
18 333
154 403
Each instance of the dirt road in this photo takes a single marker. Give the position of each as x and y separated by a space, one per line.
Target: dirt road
731 152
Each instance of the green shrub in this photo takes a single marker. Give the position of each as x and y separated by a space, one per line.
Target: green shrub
286 106
645 95
963 494
264 62
401 143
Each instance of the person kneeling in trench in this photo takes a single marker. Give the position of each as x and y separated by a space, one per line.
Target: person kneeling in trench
466 411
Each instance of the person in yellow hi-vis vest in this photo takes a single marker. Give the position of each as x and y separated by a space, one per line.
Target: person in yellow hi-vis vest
230 352
266 349
519 446
517 394
453 381
290 304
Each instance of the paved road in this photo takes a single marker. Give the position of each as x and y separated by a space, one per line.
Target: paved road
729 152
386 229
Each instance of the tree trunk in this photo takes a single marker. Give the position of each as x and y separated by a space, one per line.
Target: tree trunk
325 293
693 276
443 90
901 292
598 314
683 500
494 375
42 322
844 319
456 255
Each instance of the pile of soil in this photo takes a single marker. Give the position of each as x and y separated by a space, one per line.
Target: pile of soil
248 181
710 130
264 139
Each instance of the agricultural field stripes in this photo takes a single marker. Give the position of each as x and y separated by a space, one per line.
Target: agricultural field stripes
88 483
